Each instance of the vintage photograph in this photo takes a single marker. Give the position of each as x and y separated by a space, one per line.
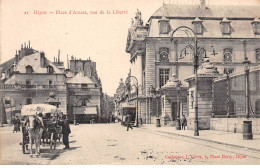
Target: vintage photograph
133 82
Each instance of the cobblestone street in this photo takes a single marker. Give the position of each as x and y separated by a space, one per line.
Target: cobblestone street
112 144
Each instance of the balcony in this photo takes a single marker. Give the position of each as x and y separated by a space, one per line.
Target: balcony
32 87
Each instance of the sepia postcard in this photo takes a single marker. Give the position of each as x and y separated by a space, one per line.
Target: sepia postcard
133 82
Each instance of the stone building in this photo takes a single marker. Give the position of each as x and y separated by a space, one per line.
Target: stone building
29 78
156 53
84 91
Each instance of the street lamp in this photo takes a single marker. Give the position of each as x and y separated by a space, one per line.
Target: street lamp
178 126
194 47
157 94
136 86
247 125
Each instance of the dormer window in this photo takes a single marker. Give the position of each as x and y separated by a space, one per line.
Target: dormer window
225 26
198 28
164 26
164 54
256 26
29 69
50 69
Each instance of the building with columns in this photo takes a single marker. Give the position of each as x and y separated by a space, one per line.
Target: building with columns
225 37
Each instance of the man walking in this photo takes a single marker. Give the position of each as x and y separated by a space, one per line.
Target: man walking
184 122
65 131
128 121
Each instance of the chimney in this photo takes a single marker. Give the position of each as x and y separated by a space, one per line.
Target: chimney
67 61
29 45
59 56
42 59
202 4
54 59
16 57
24 45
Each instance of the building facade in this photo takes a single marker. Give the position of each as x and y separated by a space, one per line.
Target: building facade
157 51
30 78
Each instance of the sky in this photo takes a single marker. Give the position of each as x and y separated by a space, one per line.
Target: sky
102 37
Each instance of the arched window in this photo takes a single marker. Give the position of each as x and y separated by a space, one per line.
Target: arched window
232 107
29 69
28 101
257 55
227 54
257 107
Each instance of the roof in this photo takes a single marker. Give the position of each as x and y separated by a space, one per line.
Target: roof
80 78
7 64
210 11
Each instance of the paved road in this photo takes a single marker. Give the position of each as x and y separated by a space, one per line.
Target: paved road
112 144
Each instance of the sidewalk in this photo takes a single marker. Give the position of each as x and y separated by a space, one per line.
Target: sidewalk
219 137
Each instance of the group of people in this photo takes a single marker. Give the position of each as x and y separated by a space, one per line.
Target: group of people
64 123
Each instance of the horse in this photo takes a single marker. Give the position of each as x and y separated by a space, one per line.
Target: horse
35 133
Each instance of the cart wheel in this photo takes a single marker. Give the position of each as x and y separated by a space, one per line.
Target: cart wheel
51 140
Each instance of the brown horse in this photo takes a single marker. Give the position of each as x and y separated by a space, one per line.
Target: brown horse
35 133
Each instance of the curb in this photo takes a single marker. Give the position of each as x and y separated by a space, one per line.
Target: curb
207 140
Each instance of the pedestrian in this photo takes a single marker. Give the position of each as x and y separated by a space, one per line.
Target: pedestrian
184 122
65 131
16 125
128 121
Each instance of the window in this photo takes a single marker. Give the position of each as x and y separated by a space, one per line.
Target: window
257 107
256 26
257 55
28 101
50 70
50 82
198 28
225 26
228 70
164 76
227 54
28 83
164 26
232 107
84 85
164 54
29 69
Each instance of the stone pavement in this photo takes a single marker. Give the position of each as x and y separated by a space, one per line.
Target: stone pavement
219 137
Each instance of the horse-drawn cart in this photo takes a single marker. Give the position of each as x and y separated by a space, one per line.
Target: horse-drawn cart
31 124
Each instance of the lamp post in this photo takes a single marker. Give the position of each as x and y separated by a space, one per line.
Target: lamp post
247 125
136 86
157 94
74 112
194 47
151 93
178 126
